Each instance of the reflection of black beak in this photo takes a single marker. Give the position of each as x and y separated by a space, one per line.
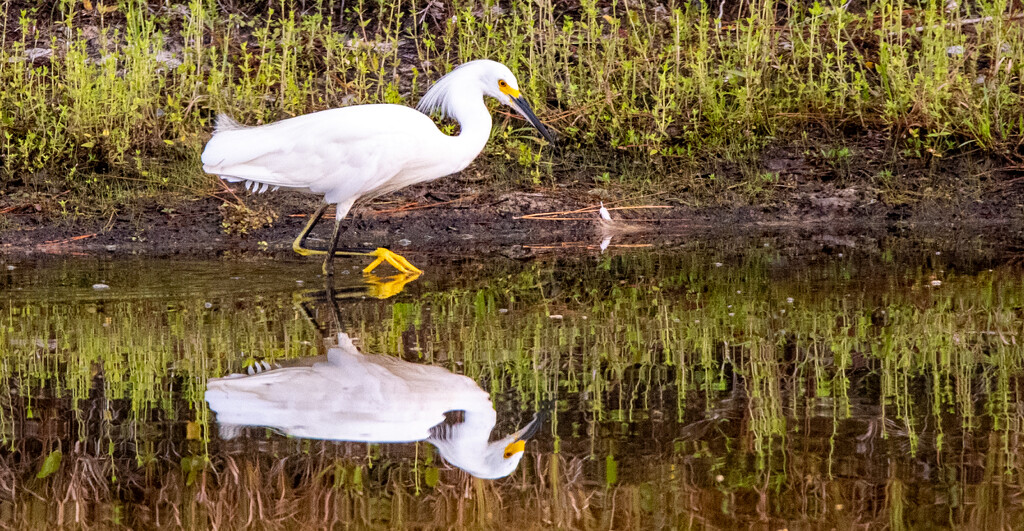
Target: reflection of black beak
533 427
524 109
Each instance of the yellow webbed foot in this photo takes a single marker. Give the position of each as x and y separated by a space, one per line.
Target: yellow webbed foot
396 260
382 288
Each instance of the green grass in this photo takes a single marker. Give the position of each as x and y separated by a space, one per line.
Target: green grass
134 88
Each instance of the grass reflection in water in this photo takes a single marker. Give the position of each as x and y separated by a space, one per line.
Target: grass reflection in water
702 388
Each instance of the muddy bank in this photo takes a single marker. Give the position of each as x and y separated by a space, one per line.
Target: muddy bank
453 217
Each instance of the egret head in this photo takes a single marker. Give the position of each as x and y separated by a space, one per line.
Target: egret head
465 445
492 79
495 80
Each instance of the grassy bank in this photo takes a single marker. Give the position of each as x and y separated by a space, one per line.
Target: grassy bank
120 94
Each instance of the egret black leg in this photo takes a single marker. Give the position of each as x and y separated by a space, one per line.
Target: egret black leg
329 260
380 254
301 238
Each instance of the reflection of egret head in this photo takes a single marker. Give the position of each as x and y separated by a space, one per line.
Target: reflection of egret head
498 459
372 398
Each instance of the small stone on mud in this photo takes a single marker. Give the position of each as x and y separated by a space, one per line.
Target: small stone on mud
100 286
168 59
111 248
404 242
33 54
517 252
207 305
10 268
839 201
555 316
936 283
503 310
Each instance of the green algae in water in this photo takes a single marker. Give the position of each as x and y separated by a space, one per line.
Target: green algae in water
707 386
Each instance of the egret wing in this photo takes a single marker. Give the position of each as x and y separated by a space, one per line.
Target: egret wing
351 148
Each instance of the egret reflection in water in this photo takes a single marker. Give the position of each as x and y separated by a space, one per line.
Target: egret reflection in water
373 398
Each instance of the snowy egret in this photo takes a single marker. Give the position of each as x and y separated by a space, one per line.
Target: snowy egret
363 151
373 398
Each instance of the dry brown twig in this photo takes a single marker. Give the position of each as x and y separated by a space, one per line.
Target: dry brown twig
69 240
416 206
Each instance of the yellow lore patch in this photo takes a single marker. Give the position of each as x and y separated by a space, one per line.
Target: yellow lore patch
517 446
505 88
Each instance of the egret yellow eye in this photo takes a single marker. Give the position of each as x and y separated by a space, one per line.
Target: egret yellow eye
505 88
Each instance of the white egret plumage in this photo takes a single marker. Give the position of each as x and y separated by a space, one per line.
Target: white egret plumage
363 151
373 398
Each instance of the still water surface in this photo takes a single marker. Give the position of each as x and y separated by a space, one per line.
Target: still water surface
755 384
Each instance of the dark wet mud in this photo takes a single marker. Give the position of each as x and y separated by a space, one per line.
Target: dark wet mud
422 221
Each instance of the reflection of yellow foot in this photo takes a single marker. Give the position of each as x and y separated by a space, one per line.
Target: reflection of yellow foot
382 288
396 260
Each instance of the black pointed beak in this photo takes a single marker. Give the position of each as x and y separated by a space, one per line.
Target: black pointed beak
524 109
